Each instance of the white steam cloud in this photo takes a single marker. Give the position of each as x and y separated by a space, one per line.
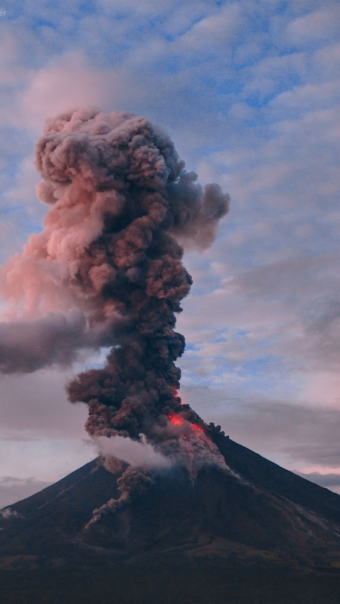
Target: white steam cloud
132 452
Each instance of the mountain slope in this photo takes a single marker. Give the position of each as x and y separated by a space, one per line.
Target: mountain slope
215 534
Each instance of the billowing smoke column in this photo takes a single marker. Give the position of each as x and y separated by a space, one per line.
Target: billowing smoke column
107 269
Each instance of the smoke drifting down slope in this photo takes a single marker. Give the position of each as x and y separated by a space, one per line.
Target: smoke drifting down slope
109 263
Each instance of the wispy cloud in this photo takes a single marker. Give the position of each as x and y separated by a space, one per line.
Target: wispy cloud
14 489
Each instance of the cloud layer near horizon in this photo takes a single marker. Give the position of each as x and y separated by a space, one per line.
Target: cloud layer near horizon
257 87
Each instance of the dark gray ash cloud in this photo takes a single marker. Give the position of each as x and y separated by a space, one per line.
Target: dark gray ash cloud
122 206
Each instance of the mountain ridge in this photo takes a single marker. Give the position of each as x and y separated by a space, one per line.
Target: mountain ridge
207 532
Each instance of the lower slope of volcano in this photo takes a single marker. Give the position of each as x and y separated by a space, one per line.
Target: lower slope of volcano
265 536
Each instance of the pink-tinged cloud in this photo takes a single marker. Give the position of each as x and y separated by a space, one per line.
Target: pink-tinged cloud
107 271
323 23
65 84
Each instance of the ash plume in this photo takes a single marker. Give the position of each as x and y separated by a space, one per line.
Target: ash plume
122 207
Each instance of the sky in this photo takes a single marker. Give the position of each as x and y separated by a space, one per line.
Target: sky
250 94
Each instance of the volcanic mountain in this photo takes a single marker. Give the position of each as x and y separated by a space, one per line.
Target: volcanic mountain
258 534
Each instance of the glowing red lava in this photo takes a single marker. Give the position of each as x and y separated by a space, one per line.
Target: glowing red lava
176 420
175 395
196 427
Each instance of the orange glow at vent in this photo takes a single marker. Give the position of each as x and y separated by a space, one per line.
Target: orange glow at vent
176 420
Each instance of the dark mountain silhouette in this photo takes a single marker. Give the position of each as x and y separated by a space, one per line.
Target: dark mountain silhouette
267 537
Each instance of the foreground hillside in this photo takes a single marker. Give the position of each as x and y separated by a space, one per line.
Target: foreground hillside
267 536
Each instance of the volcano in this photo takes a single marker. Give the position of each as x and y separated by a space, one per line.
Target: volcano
258 534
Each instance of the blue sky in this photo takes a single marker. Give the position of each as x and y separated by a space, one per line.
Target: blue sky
249 92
